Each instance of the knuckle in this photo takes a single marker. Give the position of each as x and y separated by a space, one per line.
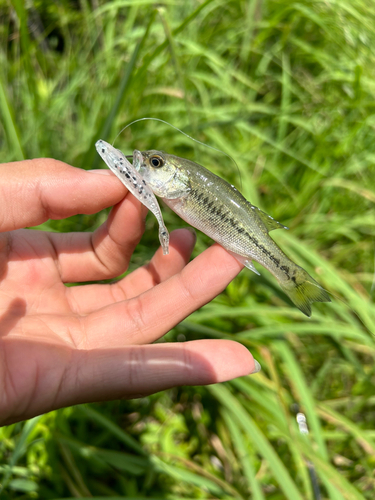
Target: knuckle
136 317
187 360
187 290
135 365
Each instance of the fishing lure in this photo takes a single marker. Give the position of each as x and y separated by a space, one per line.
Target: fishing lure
136 184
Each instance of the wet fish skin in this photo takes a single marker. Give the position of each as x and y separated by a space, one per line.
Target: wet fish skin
218 209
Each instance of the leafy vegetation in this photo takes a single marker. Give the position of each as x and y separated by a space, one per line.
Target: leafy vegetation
287 89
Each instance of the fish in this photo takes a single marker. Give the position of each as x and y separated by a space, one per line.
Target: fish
215 207
129 175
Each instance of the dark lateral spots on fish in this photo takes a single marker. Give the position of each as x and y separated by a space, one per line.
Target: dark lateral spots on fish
199 197
286 271
209 205
275 260
127 175
265 251
227 218
218 213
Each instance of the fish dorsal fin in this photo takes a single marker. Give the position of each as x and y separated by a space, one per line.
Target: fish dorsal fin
267 220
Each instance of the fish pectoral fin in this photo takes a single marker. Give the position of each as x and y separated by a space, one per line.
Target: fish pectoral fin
268 221
179 193
244 261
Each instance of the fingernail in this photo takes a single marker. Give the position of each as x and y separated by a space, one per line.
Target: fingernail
99 171
257 367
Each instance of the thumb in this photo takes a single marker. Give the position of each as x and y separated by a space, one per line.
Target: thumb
34 191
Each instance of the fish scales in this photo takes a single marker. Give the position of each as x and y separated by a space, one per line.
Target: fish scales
231 225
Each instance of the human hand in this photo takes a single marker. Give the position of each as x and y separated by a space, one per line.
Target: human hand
61 345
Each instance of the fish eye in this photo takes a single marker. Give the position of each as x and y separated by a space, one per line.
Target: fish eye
156 161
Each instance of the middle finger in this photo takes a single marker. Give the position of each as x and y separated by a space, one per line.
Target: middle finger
88 298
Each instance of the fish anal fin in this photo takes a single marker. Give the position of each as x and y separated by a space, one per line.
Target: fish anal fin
250 265
267 220
244 261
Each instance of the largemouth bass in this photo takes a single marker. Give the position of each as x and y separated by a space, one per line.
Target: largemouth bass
218 209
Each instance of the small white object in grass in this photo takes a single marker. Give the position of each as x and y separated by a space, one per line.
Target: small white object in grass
302 423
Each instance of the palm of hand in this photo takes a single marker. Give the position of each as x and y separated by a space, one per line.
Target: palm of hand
64 345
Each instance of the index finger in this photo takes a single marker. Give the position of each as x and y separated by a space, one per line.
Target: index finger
34 191
145 318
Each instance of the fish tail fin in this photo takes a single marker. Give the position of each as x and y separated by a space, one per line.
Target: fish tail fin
304 290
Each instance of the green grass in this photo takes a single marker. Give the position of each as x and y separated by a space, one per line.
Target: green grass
287 89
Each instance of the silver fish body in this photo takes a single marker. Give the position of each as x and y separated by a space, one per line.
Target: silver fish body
218 209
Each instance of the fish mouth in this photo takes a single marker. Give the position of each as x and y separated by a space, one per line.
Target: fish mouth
131 157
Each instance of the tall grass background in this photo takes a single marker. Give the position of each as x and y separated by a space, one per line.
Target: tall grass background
288 90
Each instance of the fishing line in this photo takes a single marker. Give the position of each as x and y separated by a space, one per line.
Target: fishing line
186 135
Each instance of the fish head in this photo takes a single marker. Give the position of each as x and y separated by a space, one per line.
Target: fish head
163 173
